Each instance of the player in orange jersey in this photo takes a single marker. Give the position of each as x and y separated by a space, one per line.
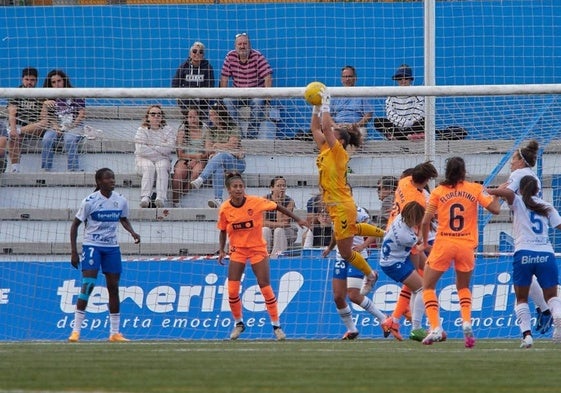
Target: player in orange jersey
456 203
410 188
332 162
240 219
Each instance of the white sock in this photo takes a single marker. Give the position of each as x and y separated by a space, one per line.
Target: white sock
78 319
555 306
369 306
524 316
417 309
347 317
536 294
115 321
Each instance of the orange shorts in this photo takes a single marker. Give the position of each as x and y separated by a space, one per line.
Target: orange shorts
444 252
242 254
343 216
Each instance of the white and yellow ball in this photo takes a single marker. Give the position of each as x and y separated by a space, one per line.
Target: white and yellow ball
312 93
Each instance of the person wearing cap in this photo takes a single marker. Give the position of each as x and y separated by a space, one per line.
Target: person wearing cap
246 67
351 110
386 190
24 117
405 115
194 72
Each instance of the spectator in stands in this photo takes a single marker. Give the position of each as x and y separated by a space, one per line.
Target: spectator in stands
351 110
456 203
246 67
347 281
196 71
247 243
24 117
225 153
191 153
278 229
63 119
102 211
320 226
386 189
154 145
405 115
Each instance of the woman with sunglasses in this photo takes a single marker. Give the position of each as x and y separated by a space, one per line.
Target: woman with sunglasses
154 145
196 71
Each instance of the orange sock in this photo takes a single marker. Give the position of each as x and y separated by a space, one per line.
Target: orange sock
365 229
403 302
431 307
271 304
360 263
234 299
465 304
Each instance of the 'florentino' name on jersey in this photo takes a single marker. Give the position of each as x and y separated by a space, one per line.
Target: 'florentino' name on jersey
101 217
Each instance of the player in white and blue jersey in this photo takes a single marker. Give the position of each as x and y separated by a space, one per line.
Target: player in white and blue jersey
521 164
347 282
395 260
533 253
101 212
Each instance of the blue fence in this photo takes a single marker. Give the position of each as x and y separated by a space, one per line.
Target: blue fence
187 300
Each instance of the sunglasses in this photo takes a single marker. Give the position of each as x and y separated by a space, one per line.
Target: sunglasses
197 51
155 114
241 35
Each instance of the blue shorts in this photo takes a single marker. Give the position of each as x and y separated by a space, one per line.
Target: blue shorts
534 263
399 271
343 269
106 258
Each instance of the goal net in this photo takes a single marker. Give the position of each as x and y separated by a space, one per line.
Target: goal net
496 76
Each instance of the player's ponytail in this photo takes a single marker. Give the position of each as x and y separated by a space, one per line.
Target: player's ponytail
528 189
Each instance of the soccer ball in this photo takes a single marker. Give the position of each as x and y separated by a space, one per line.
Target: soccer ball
312 93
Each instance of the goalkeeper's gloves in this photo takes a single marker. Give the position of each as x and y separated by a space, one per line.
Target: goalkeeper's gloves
325 100
316 110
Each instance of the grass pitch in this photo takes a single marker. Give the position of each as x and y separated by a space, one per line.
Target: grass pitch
291 366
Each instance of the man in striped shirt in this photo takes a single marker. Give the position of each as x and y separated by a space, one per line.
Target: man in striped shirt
405 115
246 67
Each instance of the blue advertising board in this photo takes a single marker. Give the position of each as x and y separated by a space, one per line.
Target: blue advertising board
186 299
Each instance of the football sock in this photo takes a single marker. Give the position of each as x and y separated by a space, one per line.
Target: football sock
369 306
271 304
523 314
360 263
555 306
365 229
114 322
431 307
465 304
347 317
402 303
536 294
79 316
234 299
417 309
